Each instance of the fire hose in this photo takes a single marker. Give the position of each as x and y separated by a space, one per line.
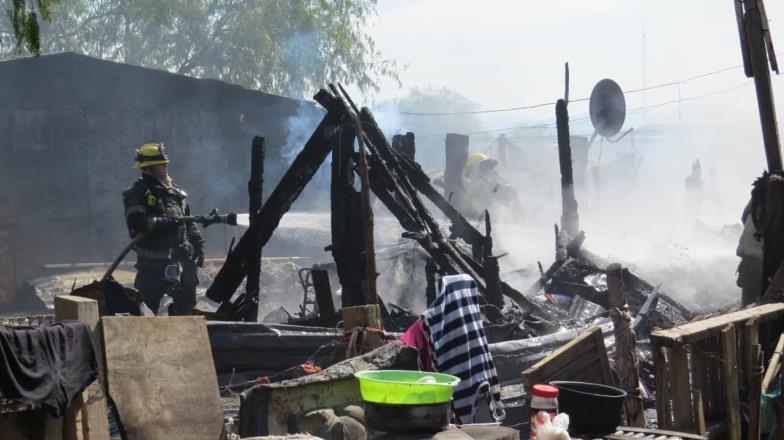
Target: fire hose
212 218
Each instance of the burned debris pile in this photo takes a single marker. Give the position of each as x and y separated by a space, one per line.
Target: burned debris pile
589 337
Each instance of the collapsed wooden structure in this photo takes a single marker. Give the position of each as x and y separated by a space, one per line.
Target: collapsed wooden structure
398 182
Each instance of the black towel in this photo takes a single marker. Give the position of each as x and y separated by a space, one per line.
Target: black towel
46 366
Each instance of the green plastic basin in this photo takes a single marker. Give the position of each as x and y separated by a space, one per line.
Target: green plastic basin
402 387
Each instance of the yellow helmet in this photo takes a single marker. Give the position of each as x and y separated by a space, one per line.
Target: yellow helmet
150 154
480 158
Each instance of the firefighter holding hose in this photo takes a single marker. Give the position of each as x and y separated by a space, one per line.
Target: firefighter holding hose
171 249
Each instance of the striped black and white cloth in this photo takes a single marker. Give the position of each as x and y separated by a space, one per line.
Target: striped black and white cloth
459 347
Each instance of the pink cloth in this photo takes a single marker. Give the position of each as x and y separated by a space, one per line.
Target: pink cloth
416 337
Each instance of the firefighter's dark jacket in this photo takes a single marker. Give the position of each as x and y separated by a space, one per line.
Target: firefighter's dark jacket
148 199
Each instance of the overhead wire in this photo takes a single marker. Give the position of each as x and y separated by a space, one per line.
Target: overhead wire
585 117
544 104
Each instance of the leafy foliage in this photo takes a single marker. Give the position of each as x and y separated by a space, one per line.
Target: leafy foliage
23 19
281 46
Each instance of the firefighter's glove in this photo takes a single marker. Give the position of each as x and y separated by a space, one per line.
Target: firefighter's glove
198 256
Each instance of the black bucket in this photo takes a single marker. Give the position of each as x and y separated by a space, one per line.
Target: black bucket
592 408
400 419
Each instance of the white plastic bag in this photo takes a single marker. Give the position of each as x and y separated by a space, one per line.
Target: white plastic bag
555 429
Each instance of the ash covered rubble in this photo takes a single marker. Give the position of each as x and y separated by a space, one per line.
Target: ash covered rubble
522 328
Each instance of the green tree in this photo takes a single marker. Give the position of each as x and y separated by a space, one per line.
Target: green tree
23 23
288 47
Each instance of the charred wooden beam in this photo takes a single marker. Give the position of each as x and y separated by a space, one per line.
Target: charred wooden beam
758 59
255 190
490 269
326 308
286 192
456 150
569 220
346 219
405 144
367 220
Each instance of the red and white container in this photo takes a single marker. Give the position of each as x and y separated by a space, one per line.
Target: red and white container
544 398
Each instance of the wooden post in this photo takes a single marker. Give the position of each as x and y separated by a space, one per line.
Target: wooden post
772 229
346 216
362 316
405 144
255 190
681 389
730 374
662 386
757 49
570 222
326 307
492 272
624 347
755 394
95 424
456 149
502 146
367 220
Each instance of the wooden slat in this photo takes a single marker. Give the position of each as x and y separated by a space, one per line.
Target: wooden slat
702 374
566 354
94 424
774 365
698 372
662 387
730 370
683 419
755 393
661 432
586 351
161 377
604 361
780 410
695 331
699 413
750 339
714 347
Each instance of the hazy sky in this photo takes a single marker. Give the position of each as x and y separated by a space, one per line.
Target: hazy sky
511 53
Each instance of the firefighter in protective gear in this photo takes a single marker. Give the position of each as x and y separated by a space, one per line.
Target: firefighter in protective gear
481 183
168 256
